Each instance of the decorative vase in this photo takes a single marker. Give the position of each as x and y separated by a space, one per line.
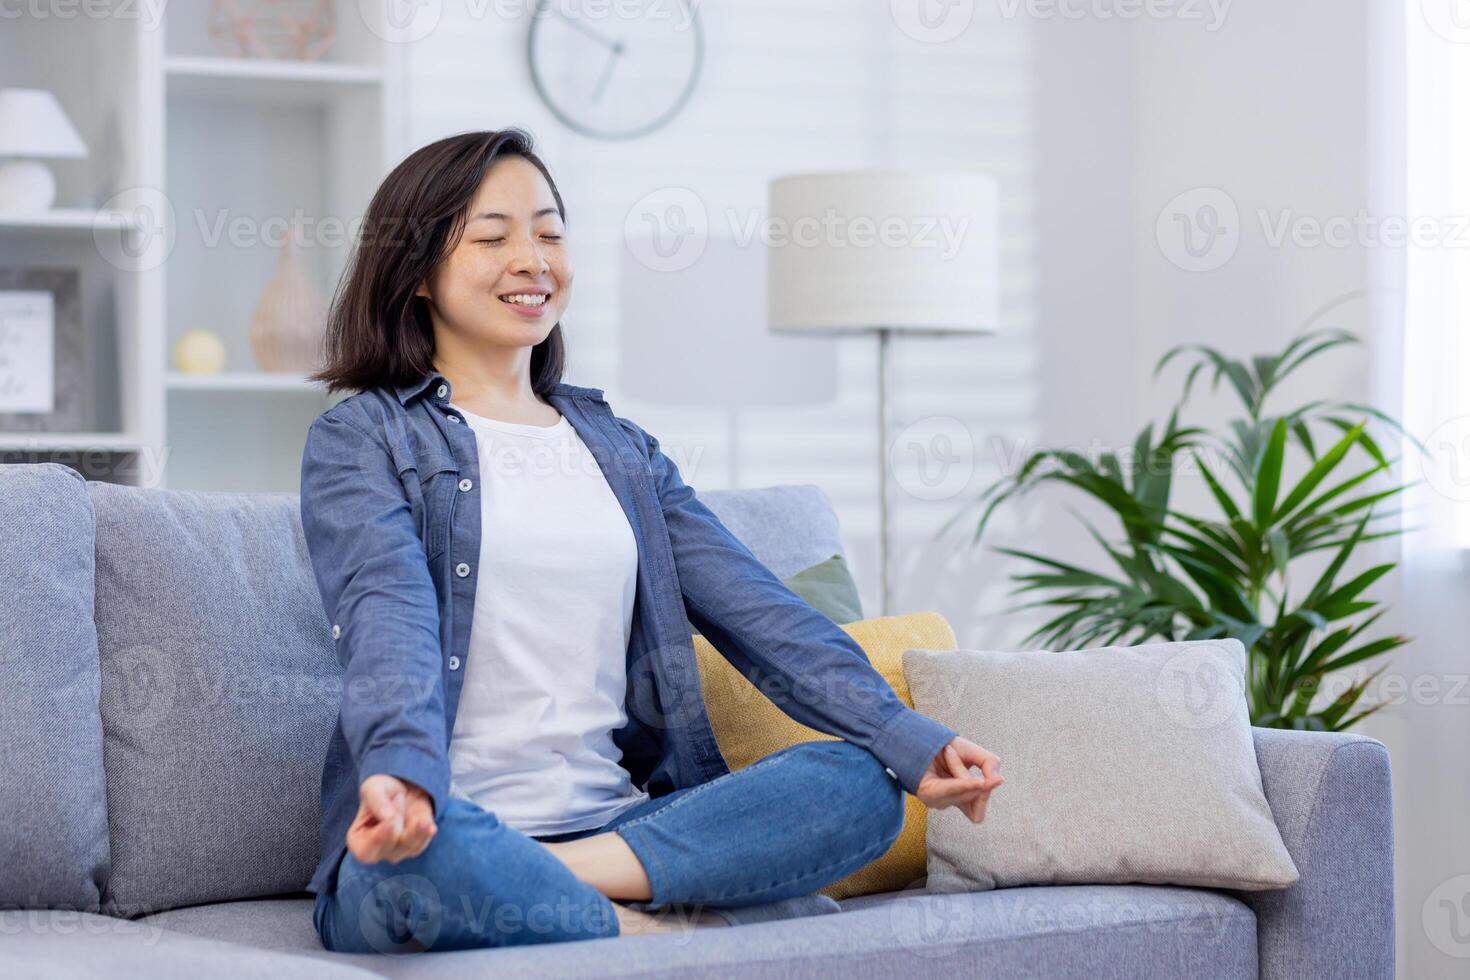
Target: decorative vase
302 30
287 327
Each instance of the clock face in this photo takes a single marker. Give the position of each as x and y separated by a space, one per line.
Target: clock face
615 70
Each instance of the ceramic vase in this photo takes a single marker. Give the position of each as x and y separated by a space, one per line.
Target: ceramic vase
290 317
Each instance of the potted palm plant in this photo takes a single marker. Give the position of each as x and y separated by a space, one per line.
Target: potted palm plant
1234 572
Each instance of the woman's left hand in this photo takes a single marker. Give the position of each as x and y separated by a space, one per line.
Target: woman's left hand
948 781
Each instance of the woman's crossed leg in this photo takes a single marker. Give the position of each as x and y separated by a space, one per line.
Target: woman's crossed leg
787 825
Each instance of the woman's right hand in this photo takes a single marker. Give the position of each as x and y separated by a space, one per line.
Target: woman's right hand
395 821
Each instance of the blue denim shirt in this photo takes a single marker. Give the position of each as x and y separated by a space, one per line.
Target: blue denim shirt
390 506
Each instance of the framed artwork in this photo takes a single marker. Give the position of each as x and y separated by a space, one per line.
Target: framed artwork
43 369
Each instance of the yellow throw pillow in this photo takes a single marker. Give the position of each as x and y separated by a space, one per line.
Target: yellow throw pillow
749 727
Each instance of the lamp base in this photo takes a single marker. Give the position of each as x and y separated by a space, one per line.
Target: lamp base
26 187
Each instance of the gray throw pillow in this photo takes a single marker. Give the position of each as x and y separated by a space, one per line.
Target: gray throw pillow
220 689
1121 764
53 812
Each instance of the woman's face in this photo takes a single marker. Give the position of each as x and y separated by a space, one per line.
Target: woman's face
508 279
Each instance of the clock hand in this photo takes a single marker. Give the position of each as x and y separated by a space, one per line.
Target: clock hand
607 73
601 38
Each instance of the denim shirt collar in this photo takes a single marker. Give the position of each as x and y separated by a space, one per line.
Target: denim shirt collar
408 392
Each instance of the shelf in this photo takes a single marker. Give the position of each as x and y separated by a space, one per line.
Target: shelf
243 381
253 80
68 219
44 441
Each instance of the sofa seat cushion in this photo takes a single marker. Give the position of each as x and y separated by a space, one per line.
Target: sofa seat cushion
53 833
81 946
1075 931
280 922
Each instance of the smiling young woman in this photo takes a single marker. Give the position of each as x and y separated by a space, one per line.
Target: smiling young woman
522 753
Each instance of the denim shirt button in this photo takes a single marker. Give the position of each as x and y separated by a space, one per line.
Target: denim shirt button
465 484
461 569
443 390
454 663
336 631
454 418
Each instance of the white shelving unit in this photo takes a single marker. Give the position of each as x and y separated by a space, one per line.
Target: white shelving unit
227 381
69 219
240 152
69 441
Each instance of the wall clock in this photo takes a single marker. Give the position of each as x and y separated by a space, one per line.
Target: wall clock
615 71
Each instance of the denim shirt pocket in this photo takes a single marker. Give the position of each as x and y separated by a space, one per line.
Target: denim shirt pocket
437 483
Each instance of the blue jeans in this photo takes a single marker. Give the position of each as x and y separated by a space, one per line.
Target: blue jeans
787 825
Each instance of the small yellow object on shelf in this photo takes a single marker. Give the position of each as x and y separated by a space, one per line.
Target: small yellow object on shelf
199 352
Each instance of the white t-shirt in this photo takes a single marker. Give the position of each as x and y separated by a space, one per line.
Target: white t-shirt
546 674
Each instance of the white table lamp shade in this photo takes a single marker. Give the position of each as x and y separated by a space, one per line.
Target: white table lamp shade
33 124
905 251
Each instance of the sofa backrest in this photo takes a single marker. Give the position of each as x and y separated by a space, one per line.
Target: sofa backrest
220 688
219 684
789 527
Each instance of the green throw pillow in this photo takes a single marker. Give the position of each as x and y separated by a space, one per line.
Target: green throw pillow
829 589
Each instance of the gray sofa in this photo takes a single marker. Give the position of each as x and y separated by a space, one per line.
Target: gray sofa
170 685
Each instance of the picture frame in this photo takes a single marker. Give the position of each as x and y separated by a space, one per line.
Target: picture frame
22 351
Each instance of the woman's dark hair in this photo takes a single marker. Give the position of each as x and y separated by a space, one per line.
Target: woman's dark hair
378 332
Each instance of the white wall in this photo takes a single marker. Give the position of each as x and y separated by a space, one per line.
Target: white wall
1272 109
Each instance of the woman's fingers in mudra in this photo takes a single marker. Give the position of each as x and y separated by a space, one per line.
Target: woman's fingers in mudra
949 782
394 822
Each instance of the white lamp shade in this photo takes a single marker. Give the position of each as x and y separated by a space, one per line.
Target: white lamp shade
907 251
33 124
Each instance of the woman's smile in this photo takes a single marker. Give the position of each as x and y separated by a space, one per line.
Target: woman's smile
530 303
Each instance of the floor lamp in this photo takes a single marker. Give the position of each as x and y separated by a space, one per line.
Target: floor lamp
884 252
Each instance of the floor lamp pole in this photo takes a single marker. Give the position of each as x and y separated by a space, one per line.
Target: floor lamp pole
883 381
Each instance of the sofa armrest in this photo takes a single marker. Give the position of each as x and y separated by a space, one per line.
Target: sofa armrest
1332 800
